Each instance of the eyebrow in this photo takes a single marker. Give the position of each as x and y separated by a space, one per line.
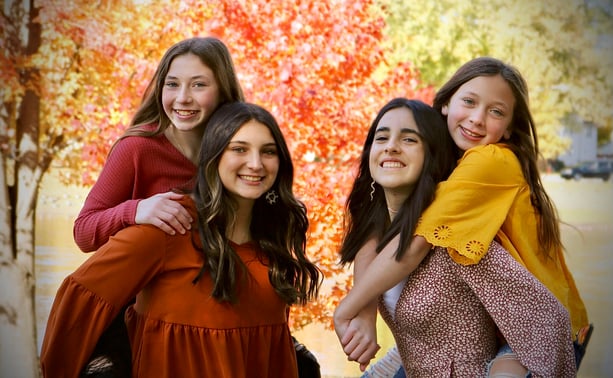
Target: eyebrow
248 143
496 102
404 130
191 78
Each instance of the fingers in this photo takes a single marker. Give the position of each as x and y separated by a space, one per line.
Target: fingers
359 341
363 367
176 216
369 354
349 332
164 212
163 226
361 350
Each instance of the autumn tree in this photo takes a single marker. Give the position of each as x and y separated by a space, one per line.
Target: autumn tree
23 163
74 73
563 49
48 75
313 64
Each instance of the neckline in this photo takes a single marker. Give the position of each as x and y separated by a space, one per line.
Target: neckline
178 153
245 244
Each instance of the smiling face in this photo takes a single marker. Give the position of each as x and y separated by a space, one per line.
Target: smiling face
480 112
190 93
248 166
397 154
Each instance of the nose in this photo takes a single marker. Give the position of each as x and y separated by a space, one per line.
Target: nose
477 117
391 146
254 161
185 94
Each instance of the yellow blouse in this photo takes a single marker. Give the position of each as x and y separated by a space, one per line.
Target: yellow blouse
486 198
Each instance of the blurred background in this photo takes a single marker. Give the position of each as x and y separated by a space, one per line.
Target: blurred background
73 73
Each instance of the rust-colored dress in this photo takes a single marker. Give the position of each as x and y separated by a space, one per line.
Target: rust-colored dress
176 328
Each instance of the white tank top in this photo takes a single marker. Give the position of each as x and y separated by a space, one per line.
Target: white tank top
390 297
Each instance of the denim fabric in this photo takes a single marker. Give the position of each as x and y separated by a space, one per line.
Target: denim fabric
400 373
584 334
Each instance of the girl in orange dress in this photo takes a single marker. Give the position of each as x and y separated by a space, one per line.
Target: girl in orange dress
212 302
157 154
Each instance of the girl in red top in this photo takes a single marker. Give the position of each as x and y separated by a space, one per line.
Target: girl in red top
158 151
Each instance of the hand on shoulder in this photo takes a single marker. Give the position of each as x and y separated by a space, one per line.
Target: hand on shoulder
164 211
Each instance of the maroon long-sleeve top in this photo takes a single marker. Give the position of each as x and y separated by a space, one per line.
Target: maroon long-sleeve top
137 168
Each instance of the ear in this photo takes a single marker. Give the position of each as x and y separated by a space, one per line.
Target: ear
445 110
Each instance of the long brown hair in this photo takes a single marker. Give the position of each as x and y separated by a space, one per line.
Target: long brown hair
214 54
523 141
366 213
279 229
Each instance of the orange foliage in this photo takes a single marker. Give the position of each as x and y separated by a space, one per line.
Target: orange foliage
313 64
317 65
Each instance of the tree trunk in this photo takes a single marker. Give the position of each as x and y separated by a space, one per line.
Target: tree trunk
20 182
18 347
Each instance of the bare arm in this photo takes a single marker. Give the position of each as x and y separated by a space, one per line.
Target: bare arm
382 274
359 337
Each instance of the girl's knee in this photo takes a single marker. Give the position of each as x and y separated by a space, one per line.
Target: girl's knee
507 365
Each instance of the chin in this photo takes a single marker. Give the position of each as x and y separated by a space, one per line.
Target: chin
187 126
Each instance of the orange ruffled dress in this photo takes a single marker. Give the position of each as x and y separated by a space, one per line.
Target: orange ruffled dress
487 198
176 328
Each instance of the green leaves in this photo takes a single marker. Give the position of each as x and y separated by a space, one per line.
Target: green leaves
560 48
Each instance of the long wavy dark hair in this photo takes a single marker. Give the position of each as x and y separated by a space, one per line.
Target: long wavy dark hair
214 54
523 140
279 229
366 218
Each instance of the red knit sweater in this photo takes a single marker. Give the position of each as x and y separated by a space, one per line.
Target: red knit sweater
137 168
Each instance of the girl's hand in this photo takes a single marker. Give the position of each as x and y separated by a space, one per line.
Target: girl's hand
164 212
358 336
340 327
360 341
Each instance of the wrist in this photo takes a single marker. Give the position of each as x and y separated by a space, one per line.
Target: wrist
341 313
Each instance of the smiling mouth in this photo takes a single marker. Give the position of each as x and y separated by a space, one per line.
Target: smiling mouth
251 178
185 113
470 133
392 164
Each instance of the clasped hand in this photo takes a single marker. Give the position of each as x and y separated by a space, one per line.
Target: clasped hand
358 335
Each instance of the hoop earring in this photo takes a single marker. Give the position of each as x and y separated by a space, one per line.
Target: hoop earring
372 192
271 197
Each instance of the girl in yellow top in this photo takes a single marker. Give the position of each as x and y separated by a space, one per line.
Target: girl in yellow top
495 193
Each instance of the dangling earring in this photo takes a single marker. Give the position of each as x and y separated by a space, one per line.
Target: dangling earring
271 197
372 192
